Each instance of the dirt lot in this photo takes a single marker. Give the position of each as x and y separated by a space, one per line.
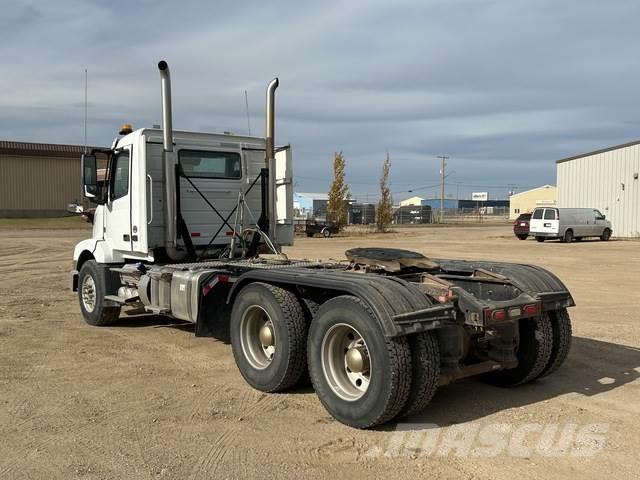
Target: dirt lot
146 399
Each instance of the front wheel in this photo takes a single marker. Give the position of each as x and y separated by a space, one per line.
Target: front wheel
326 233
361 377
606 235
92 288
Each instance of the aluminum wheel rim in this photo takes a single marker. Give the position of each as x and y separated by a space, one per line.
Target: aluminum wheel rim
345 383
257 354
88 293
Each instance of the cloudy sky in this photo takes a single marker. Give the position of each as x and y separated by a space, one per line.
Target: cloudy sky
504 88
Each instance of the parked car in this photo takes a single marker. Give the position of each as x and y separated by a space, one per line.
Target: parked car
568 224
521 226
326 229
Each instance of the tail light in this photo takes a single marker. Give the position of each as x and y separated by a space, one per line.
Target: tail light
557 215
499 315
530 310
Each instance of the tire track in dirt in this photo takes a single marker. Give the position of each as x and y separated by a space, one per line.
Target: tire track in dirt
223 447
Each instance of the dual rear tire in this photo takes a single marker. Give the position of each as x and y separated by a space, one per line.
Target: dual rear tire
268 337
361 377
543 347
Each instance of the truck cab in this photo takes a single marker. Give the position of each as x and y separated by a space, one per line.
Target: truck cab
217 170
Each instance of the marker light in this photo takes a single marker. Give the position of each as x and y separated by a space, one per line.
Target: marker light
499 315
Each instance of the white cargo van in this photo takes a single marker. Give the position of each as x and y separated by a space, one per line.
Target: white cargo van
569 223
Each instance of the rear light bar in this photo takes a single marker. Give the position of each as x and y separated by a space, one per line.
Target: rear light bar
501 314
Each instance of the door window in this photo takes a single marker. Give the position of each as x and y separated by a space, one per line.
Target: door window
120 185
549 214
537 215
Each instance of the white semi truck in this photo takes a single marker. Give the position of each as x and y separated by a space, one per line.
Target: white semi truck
190 225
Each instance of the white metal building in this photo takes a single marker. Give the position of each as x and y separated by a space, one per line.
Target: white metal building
605 179
411 201
525 202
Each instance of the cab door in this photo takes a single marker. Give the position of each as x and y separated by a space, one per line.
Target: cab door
118 207
599 223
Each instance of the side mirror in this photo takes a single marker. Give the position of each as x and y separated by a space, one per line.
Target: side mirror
90 176
603 217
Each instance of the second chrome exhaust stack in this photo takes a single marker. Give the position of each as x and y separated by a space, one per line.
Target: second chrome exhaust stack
270 156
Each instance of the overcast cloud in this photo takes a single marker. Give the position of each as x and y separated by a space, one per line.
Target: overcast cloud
502 87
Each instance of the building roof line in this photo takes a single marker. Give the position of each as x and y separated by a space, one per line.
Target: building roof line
533 190
9 147
596 152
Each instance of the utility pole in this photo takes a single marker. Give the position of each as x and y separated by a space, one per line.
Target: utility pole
246 104
442 175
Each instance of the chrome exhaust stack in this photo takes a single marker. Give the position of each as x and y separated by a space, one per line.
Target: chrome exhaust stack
271 155
169 165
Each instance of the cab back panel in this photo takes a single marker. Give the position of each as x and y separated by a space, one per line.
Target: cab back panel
221 193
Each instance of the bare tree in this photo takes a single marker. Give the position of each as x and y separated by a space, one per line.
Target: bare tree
384 210
339 193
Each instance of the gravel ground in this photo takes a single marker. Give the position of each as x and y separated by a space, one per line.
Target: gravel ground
147 399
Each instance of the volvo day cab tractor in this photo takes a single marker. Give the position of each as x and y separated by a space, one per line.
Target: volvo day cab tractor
191 226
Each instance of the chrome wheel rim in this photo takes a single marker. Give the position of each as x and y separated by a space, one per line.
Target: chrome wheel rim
88 293
346 362
257 337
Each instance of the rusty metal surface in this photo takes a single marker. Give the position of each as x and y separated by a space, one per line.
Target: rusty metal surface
531 279
389 259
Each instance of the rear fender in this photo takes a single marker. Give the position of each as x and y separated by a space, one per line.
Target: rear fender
389 298
531 279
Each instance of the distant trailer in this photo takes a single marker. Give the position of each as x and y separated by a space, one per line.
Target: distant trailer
363 213
412 214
